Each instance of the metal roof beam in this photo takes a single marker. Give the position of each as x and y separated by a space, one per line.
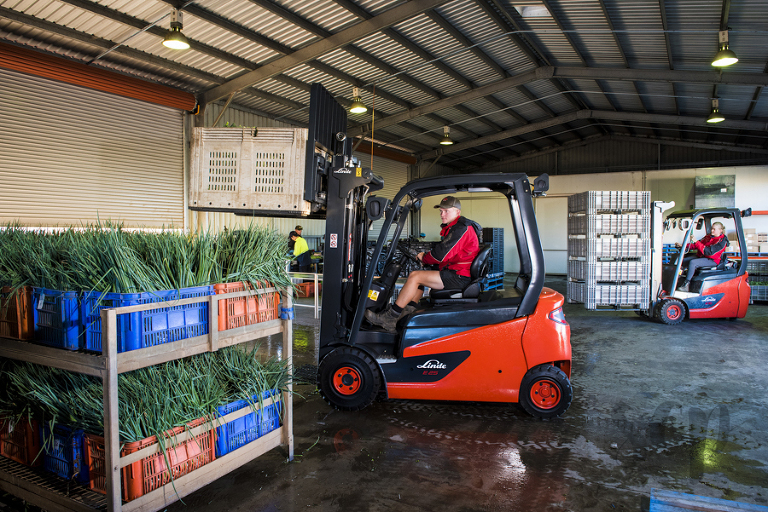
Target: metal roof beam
319 48
594 114
546 72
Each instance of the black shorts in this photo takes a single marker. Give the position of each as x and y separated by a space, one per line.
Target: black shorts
453 281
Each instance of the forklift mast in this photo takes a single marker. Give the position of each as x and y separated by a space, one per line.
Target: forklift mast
337 187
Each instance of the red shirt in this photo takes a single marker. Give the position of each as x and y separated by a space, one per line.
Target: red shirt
457 248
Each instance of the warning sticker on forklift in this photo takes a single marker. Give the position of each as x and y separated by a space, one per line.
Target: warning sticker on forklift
373 295
334 240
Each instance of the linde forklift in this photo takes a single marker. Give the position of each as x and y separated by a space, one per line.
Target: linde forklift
459 345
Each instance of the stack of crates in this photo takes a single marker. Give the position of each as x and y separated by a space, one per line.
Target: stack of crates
495 238
609 249
758 280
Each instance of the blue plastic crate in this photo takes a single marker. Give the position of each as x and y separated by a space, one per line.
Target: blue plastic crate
66 457
236 433
242 431
57 318
269 417
146 328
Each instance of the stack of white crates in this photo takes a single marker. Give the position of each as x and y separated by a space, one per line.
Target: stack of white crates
609 249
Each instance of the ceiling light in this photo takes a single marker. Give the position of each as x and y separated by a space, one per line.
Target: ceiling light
724 57
357 106
532 11
715 116
174 38
446 140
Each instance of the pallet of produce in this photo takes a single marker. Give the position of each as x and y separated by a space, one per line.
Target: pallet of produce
17 319
146 328
253 309
20 440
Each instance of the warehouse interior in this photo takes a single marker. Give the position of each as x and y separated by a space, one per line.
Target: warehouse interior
98 124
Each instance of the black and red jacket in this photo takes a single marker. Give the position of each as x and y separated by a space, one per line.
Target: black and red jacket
711 247
458 247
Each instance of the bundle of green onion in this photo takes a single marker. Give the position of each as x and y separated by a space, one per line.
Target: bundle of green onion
152 400
107 258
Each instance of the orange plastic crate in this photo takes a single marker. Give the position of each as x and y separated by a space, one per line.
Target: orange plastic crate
248 310
20 441
16 314
151 472
308 289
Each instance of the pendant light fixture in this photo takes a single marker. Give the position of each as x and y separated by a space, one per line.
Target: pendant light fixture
446 140
715 116
357 106
725 57
174 38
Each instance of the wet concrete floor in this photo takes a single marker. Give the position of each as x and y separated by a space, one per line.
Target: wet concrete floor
672 407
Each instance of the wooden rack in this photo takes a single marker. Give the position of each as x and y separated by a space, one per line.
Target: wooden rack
53 494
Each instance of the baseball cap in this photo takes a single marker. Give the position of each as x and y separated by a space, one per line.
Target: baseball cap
298 228
449 202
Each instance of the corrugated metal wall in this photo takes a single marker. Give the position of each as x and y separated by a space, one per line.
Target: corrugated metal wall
619 155
237 117
70 154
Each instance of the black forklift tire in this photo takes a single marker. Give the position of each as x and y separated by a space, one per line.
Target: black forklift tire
545 392
671 312
348 379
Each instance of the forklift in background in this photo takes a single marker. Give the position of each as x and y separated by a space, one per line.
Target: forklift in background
716 291
460 345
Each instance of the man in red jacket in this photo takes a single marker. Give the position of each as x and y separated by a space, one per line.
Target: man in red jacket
709 249
453 255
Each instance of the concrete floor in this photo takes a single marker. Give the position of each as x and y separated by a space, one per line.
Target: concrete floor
672 407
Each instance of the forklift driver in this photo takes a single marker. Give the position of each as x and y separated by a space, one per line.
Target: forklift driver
709 250
454 255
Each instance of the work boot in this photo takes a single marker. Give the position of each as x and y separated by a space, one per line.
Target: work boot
407 310
386 319
685 286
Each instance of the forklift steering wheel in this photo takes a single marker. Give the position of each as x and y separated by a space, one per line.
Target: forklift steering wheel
408 252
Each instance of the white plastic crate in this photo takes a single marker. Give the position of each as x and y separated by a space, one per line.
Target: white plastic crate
611 271
609 295
592 225
614 200
616 248
233 169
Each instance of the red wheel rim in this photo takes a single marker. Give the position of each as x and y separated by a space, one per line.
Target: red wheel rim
545 394
674 311
347 380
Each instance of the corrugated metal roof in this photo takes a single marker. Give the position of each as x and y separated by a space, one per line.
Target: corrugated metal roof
477 40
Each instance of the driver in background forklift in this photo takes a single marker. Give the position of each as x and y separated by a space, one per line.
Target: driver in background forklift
709 249
454 254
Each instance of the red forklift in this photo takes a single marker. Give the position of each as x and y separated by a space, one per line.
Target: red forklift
460 345
716 291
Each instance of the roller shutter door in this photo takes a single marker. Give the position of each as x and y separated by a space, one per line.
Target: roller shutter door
395 176
70 155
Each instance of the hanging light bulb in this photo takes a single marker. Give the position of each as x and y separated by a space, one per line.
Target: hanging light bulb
446 140
357 106
715 116
174 38
724 56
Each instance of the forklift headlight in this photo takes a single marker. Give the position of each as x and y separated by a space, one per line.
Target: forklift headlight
558 316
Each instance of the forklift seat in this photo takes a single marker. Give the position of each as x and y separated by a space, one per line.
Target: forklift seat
471 293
